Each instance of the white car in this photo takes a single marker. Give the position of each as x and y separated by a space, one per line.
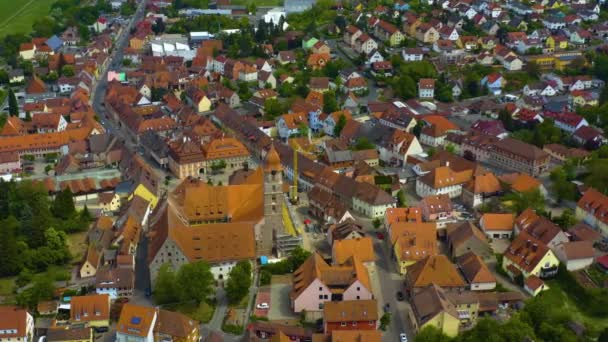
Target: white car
403 337
262 306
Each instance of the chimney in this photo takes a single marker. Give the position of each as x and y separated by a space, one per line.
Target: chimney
528 244
413 241
534 247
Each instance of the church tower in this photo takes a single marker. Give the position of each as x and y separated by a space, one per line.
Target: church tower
273 202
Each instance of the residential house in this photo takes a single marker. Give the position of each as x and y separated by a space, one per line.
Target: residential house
576 255
494 82
497 226
465 237
583 232
589 137
136 323
175 326
534 285
286 57
350 315
321 47
115 282
438 270
289 124
315 283
481 188
426 33
69 334
426 88
437 208
528 256
16 324
442 180
592 209
317 61
436 129
388 32
476 272
344 230
412 54
363 248
351 33
93 310
412 242
431 307
196 97
330 122
365 44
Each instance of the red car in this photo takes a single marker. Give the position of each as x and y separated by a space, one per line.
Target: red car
380 235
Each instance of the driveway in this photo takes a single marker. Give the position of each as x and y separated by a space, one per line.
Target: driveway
280 308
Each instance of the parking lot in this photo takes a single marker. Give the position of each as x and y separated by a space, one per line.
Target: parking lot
280 308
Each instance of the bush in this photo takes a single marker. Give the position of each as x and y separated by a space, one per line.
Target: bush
232 329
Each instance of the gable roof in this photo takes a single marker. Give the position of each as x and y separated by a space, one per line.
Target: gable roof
436 269
363 248
13 318
498 222
136 320
459 233
474 269
351 311
595 203
526 252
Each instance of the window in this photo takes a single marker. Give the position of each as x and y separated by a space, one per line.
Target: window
371 323
358 297
342 324
354 324
358 288
320 296
325 297
320 288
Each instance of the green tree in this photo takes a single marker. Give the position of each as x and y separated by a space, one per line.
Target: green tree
239 281
418 128
563 188
67 70
431 334
339 125
520 201
597 175
330 103
165 289
218 165
385 321
401 199
10 260
42 289
273 108
63 206
363 143
13 106
195 281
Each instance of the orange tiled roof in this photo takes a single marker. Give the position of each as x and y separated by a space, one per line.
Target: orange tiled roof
437 269
363 248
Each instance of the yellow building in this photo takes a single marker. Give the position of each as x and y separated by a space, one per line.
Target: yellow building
396 38
528 256
91 310
411 242
431 307
147 191
556 43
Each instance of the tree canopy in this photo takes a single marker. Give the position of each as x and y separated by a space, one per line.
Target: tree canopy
239 281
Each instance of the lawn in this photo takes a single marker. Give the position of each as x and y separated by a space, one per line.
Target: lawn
17 16
77 243
202 313
560 298
6 286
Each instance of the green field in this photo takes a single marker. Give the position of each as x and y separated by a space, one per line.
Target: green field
17 16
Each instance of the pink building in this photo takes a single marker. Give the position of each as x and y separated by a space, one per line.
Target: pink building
9 162
316 282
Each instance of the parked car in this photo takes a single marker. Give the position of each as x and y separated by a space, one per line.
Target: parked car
403 337
380 235
262 306
399 296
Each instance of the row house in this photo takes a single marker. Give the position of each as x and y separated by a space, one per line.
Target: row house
389 33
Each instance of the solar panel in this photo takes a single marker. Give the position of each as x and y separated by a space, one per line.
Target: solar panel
135 320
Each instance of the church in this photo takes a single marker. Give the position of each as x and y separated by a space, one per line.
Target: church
221 225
